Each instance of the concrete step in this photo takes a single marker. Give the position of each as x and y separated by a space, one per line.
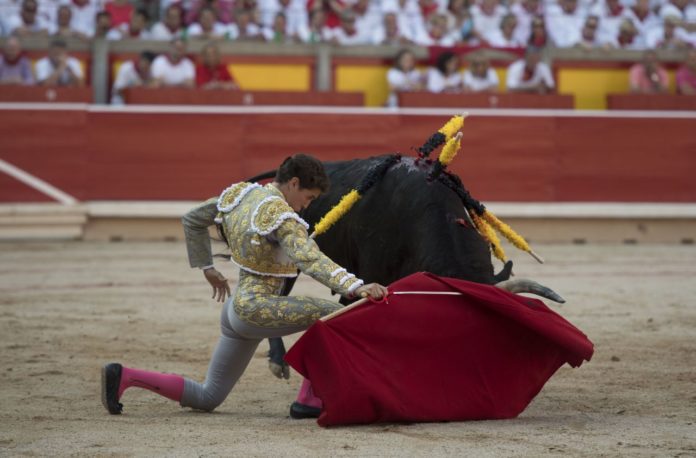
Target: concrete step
42 221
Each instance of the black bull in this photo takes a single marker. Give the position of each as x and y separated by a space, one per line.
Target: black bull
404 224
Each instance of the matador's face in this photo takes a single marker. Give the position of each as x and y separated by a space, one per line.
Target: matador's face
298 197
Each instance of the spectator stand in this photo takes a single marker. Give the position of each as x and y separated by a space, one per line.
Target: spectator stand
368 73
659 102
185 96
587 75
592 75
36 49
484 100
43 94
255 66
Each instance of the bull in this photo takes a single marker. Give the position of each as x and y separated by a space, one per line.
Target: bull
409 221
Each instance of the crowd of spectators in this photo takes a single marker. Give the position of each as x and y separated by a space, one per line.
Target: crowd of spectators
622 24
528 74
529 24
171 69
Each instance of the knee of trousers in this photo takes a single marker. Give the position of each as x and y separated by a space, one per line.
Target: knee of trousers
202 396
207 402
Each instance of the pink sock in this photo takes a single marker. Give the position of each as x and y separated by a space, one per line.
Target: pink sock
168 385
306 395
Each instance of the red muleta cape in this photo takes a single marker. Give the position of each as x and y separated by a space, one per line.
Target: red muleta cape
482 355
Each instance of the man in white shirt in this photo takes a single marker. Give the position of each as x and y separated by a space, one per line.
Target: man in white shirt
295 13
564 23
207 27
244 28
169 28
610 14
84 16
27 22
408 15
58 68
667 36
63 24
590 36
642 16
368 16
348 33
135 29
480 77
278 32
487 17
530 74
525 11
628 37
437 33
505 36
174 68
389 33
685 10
133 74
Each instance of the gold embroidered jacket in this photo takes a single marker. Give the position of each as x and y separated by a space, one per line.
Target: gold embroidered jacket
266 237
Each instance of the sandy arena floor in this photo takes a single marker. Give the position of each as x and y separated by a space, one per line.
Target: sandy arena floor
67 308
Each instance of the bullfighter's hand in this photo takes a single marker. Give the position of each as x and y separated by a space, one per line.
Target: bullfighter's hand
221 289
373 290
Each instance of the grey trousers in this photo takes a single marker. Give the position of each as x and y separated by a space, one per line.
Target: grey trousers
231 356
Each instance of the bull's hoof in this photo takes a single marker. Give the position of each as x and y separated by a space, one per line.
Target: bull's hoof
282 371
301 411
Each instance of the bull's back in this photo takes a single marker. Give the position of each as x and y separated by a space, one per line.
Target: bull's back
403 224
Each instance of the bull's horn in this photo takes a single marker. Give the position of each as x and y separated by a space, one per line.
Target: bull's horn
522 285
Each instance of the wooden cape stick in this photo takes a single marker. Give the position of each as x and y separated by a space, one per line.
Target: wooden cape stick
365 299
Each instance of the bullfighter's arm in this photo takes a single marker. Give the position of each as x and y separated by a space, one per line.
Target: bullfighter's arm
305 253
196 223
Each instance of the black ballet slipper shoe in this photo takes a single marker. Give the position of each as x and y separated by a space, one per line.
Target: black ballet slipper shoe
110 381
300 411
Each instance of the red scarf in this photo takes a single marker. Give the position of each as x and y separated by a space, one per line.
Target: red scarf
539 42
616 11
528 74
623 40
14 61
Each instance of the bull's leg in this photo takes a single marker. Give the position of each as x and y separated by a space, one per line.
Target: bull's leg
276 363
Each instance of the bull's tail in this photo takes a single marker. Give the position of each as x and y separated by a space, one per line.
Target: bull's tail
503 274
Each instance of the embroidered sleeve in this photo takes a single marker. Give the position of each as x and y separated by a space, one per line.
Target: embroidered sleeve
305 253
196 224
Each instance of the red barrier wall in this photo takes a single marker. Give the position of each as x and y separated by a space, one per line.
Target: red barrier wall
188 156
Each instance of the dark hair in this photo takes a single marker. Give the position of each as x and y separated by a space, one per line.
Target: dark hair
103 14
399 55
207 8
442 59
308 169
143 12
148 56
